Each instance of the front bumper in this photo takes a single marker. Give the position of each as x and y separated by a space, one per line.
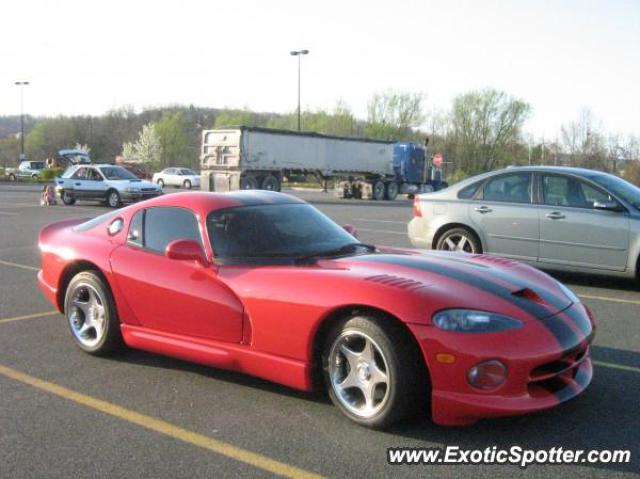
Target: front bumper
49 291
541 372
130 196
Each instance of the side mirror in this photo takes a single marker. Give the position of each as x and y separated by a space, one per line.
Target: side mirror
185 249
352 230
608 205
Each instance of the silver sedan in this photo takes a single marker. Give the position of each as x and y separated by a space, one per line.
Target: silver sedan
556 218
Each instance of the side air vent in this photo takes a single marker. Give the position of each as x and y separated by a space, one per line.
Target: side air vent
396 281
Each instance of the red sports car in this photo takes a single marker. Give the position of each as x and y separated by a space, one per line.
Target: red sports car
265 284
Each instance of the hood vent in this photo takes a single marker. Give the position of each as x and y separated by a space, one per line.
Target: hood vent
396 281
529 294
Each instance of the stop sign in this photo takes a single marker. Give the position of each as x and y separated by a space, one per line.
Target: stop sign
437 160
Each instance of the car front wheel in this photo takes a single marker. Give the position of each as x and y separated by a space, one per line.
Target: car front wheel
91 314
160 183
372 374
187 184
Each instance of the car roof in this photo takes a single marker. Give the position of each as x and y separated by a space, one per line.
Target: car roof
204 201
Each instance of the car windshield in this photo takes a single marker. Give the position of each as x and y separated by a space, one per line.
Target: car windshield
117 173
274 231
619 187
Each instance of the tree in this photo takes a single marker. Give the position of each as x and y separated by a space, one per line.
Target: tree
147 149
583 141
393 114
173 140
484 124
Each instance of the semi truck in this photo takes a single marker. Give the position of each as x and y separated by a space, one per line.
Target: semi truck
260 158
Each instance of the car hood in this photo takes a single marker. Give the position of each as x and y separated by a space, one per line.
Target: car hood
466 279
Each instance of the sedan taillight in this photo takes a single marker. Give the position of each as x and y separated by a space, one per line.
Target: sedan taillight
417 211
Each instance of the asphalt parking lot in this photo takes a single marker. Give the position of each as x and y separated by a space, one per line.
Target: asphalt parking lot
66 414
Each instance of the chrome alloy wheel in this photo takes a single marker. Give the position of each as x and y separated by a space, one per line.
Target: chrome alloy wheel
458 242
87 315
359 373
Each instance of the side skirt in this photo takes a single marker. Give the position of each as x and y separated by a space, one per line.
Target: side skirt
235 357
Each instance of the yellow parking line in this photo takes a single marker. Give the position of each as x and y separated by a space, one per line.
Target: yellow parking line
29 316
607 298
16 265
617 366
176 432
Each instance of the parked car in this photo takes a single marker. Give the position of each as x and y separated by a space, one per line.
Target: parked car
26 170
558 218
179 177
110 183
263 283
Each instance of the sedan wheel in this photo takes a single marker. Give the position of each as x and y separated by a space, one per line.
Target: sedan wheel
91 315
160 183
187 184
113 199
460 240
373 372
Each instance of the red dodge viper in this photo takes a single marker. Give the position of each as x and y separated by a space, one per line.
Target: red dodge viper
265 284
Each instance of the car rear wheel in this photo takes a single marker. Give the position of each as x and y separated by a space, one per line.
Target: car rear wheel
187 184
459 239
113 198
67 199
12 177
91 314
160 183
371 373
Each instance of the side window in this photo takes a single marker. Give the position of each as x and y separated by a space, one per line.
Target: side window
93 175
164 225
80 174
511 188
169 171
135 235
469 192
566 191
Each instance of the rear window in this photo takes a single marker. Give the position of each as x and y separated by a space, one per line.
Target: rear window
87 225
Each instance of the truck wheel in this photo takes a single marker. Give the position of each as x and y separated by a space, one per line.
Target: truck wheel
391 192
12 177
378 191
248 182
271 183
67 199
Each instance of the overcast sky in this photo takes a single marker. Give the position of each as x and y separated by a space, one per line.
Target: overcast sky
88 57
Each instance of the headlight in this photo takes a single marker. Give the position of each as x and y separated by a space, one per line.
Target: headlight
471 321
130 189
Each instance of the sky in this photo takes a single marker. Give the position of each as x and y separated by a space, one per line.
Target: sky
87 57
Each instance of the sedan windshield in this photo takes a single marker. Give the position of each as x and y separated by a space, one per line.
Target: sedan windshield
619 187
117 173
275 231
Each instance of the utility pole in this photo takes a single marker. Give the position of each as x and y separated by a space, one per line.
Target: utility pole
22 84
299 53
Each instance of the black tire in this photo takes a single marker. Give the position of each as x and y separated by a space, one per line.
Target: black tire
187 184
110 338
160 183
12 177
271 183
378 191
248 182
67 199
391 191
452 238
113 199
34 177
406 392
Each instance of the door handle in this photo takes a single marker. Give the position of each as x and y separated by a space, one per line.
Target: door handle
555 215
483 209
77 184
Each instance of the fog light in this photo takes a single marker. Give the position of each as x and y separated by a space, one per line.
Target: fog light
487 375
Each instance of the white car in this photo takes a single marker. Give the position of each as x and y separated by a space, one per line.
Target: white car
179 177
111 183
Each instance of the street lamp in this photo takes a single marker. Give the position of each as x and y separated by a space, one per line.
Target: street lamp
299 53
22 84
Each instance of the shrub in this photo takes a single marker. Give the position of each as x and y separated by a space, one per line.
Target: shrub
49 174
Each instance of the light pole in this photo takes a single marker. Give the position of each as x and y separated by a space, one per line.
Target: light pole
22 84
299 53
